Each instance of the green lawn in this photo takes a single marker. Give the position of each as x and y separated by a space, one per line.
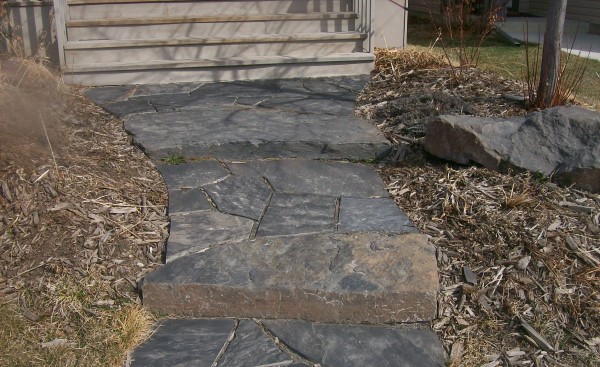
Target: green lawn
509 60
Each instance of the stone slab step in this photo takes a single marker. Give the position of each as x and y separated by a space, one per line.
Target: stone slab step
213 70
219 62
334 278
103 9
189 48
295 118
249 343
218 26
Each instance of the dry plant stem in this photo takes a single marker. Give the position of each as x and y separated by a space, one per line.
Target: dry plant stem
50 145
462 41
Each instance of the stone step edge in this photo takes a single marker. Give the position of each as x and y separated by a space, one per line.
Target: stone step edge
211 40
171 290
212 19
357 57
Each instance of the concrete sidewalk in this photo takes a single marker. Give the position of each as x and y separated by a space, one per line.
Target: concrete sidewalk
576 36
281 251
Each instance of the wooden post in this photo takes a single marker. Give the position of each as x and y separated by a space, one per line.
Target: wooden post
60 21
364 23
389 23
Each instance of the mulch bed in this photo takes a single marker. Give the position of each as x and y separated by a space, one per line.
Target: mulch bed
518 257
82 219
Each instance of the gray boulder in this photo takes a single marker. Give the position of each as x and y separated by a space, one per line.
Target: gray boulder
559 141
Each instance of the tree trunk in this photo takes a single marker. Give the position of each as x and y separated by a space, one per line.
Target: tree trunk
550 73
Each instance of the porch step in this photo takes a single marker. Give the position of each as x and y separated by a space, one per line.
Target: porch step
186 48
165 41
217 26
102 9
219 69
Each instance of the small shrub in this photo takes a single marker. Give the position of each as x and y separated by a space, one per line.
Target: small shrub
461 35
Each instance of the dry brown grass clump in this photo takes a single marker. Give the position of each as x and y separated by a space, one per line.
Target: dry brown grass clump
82 219
396 61
514 255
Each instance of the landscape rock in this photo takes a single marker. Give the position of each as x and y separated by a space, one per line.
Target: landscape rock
563 142
340 278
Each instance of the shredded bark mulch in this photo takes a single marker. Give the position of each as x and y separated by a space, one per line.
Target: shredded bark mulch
518 257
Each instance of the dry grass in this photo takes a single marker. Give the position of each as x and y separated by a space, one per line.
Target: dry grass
399 61
82 219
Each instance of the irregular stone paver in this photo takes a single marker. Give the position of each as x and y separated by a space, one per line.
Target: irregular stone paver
198 230
128 107
189 175
188 200
359 346
230 133
163 89
315 177
106 95
290 214
359 278
372 214
244 196
184 343
303 104
111 94
251 347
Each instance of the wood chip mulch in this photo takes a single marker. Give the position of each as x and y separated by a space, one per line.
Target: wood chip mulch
518 257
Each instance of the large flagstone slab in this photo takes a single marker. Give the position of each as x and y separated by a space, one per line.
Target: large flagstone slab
342 278
234 132
359 345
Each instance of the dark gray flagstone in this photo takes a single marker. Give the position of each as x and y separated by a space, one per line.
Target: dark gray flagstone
315 177
188 200
251 347
341 278
189 175
290 214
372 214
184 343
244 196
201 229
359 346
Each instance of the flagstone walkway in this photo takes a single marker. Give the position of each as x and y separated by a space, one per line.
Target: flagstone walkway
281 251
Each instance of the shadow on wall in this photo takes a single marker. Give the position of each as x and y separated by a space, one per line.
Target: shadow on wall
30 30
